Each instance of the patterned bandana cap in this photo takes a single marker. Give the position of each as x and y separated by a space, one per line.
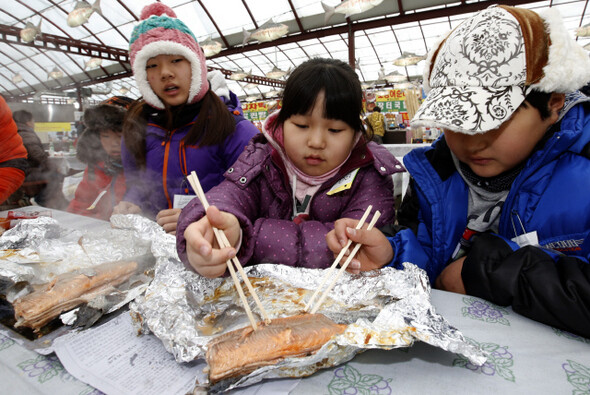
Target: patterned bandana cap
482 71
161 33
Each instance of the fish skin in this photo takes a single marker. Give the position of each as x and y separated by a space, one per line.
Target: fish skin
243 350
69 290
276 73
30 31
269 31
55 73
583 31
82 12
349 8
92 63
239 75
394 76
210 47
17 78
408 58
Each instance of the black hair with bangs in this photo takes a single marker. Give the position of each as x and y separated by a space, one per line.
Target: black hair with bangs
342 91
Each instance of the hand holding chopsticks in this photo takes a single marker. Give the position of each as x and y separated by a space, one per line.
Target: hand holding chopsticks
343 267
224 242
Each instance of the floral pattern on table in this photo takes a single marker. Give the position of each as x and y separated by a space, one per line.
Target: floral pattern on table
579 377
483 310
500 361
349 381
45 368
5 342
569 335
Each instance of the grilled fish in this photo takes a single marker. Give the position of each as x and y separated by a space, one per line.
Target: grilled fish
242 351
68 291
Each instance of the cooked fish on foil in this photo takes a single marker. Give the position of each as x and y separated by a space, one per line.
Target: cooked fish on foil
200 318
47 269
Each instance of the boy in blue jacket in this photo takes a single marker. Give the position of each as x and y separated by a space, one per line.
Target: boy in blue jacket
499 206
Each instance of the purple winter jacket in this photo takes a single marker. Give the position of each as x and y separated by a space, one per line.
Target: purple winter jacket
154 187
257 192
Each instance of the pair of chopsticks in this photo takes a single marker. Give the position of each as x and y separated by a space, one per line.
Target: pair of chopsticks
308 307
222 240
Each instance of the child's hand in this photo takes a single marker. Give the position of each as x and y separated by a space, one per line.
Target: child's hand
450 279
202 249
168 219
375 252
126 208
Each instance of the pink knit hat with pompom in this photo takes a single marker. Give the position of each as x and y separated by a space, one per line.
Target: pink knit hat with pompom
161 33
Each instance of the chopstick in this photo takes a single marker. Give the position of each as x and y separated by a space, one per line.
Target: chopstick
337 260
345 264
222 240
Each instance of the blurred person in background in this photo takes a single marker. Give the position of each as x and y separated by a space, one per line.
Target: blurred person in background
13 155
99 146
376 121
42 183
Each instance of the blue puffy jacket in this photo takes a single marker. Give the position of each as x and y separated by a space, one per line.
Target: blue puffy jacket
551 196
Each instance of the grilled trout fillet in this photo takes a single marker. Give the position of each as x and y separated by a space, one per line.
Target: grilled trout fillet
244 350
68 291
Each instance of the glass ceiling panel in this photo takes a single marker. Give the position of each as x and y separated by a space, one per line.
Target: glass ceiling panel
18 11
230 16
305 7
277 10
380 47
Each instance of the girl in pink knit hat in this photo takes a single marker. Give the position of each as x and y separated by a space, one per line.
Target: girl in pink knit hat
179 126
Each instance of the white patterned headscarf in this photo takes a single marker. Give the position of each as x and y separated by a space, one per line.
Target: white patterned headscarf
482 71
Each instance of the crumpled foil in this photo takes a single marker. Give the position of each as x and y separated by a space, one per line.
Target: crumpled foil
37 250
385 309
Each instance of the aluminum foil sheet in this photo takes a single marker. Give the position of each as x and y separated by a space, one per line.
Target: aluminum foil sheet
36 251
385 309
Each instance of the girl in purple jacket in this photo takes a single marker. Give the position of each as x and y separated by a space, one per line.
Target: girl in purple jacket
180 124
313 165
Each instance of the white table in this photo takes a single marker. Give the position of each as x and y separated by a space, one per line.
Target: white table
25 372
526 357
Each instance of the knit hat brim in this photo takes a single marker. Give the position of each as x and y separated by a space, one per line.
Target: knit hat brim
199 84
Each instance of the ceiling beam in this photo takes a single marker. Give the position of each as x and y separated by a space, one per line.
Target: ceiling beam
123 74
253 78
372 24
74 85
11 35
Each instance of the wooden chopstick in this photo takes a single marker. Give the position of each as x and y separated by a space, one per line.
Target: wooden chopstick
224 242
337 260
344 265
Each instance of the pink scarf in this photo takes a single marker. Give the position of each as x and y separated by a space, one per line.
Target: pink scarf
304 183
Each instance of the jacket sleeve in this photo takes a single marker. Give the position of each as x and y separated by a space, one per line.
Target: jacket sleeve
228 197
234 145
304 244
540 284
84 196
36 154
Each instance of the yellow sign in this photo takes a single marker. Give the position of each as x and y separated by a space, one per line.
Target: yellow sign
53 126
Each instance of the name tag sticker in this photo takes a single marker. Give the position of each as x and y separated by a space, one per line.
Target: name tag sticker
344 183
182 200
527 239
